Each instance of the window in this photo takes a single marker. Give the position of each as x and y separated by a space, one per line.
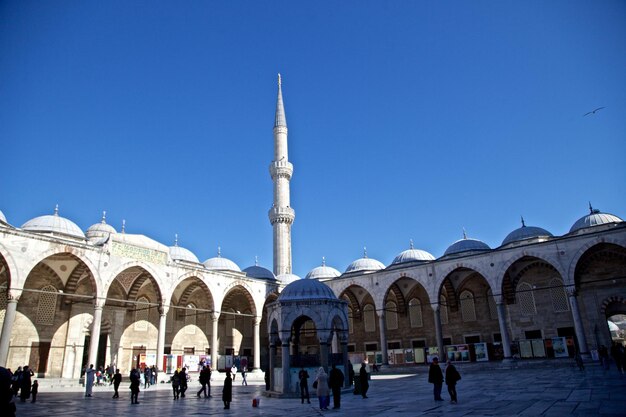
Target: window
142 313
468 310
189 350
533 334
391 315
472 339
558 295
46 309
447 341
393 345
207 351
418 343
526 299
3 304
190 319
351 348
443 310
493 310
497 338
371 347
415 313
369 317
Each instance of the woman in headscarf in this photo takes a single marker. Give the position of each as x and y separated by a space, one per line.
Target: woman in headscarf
323 392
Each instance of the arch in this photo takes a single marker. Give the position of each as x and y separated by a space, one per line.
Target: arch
583 249
13 273
504 267
447 290
232 290
599 252
134 264
400 300
512 276
353 302
463 265
75 253
607 308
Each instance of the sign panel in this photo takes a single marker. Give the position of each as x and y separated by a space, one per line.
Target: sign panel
142 254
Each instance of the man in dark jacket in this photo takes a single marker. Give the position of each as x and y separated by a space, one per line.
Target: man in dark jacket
227 393
303 376
435 377
335 380
25 384
363 380
452 377
183 381
117 380
204 378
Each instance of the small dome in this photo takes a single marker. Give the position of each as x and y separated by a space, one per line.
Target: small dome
466 245
221 264
54 224
594 218
259 272
287 278
525 233
306 289
365 264
412 255
100 230
181 254
323 272
2 218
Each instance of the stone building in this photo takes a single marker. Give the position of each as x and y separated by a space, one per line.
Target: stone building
71 298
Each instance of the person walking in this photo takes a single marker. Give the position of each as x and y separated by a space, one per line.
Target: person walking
203 381
16 378
25 384
135 382
176 384
34 390
233 371
89 377
435 377
117 380
321 387
147 377
603 352
227 392
335 380
183 382
244 381
452 377
303 377
363 379
350 373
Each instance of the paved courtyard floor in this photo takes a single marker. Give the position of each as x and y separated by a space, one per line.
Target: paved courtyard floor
546 391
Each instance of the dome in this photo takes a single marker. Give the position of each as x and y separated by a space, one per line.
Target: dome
323 272
287 278
306 289
2 218
100 230
54 224
412 255
365 264
259 272
524 233
221 264
181 254
594 218
466 245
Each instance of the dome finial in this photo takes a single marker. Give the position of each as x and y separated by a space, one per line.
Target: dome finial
123 226
523 223
175 239
256 260
56 210
280 81
323 261
590 208
410 243
365 251
104 217
464 234
219 252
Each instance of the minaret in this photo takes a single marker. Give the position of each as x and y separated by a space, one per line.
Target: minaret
281 214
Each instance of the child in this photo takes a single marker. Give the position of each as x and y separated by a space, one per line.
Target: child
33 391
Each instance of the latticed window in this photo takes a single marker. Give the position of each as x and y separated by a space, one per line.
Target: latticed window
468 309
3 304
190 319
350 320
142 314
369 318
415 313
443 309
558 295
47 305
391 315
493 309
526 299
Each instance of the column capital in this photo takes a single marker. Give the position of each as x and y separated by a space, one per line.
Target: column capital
99 303
257 320
13 295
215 315
571 291
164 309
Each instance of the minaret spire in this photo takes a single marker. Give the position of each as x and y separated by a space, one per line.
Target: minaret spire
281 214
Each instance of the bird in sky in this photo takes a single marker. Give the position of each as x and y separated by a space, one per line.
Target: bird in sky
592 112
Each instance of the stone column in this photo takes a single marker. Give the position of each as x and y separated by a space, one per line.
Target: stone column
383 336
324 354
438 331
215 317
578 323
504 331
7 328
257 343
161 340
272 363
344 355
285 365
95 333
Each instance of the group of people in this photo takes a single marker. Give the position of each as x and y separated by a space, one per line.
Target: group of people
435 377
22 384
617 352
324 384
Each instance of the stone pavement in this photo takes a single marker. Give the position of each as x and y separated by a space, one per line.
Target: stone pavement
523 391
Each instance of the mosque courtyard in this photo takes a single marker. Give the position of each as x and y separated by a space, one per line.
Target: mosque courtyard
530 389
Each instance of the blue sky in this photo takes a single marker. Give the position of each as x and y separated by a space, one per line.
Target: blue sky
407 120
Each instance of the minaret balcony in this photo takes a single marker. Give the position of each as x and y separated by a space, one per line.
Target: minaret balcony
280 169
281 215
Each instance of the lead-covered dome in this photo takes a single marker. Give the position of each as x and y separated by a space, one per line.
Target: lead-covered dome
100 230
412 255
2 218
178 253
287 278
307 289
365 264
466 245
55 225
594 218
525 233
323 272
221 264
259 272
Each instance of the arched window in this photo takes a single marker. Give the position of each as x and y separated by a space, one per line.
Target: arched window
142 314
526 299
443 309
493 309
369 317
391 315
415 313
190 319
468 309
558 295
350 320
47 305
